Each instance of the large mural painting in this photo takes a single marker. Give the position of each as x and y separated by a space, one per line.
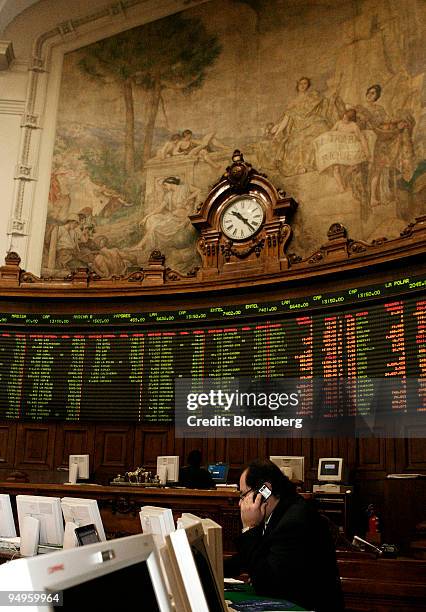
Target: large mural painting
326 98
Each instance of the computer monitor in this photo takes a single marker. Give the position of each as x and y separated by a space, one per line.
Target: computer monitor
174 580
330 469
291 466
157 521
189 552
213 540
168 468
47 510
78 468
219 472
7 523
121 574
83 512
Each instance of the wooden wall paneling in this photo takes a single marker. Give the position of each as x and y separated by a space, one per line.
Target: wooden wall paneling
150 442
372 456
114 446
213 453
240 452
188 444
254 448
74 439
35 446
176 447
416 454
411 455
236 452
347 448
375 459
300 447
262 448
278 446
7 444
321 447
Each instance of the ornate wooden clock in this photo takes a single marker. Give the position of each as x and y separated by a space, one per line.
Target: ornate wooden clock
243 224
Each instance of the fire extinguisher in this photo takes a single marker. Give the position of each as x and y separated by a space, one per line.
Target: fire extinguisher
373 533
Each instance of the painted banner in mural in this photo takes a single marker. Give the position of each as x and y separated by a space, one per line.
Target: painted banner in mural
332 148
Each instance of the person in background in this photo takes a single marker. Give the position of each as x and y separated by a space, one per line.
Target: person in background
285 546
193 475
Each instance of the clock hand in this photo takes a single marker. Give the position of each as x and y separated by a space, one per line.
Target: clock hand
243 219
238 215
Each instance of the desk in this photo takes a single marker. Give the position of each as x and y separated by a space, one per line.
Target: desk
119 506
249 602
338 508
382 585
404 507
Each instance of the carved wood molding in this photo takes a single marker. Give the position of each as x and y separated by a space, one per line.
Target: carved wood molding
339 254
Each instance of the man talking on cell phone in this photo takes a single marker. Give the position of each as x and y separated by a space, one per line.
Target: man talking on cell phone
285 546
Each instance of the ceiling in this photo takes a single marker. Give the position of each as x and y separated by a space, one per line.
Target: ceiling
9 9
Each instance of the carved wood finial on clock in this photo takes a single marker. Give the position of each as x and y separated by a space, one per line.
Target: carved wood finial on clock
239 172
243 224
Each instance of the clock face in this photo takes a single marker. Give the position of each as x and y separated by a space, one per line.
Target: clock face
242 218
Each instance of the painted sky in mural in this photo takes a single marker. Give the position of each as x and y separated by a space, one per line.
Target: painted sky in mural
327 100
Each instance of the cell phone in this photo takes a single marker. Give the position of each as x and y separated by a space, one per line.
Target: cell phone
87 534
265 492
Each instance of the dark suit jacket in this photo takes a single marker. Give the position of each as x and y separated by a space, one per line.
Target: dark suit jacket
294 559
195 478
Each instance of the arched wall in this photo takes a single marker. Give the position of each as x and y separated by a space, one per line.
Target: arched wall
44 32
40 37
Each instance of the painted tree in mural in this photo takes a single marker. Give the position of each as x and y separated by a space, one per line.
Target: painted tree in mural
113 59
173 53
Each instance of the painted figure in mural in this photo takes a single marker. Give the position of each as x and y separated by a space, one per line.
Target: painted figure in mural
268 133
168 148
200 149
372 114
58 201
109 261
111 201
87 245
64 243
393 154
263 148
306 117
357 145
59 194
169 229
185 144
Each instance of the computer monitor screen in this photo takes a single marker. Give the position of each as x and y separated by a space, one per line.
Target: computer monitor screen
219 472
168 468
330 469
7 523
213 591
83 512
120 574
291 466
49 514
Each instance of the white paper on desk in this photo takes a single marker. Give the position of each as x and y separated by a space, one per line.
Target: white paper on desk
232 581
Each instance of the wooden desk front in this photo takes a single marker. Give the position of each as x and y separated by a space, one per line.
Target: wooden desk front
382 585
120 506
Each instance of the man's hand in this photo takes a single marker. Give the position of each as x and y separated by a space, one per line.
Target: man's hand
252 511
